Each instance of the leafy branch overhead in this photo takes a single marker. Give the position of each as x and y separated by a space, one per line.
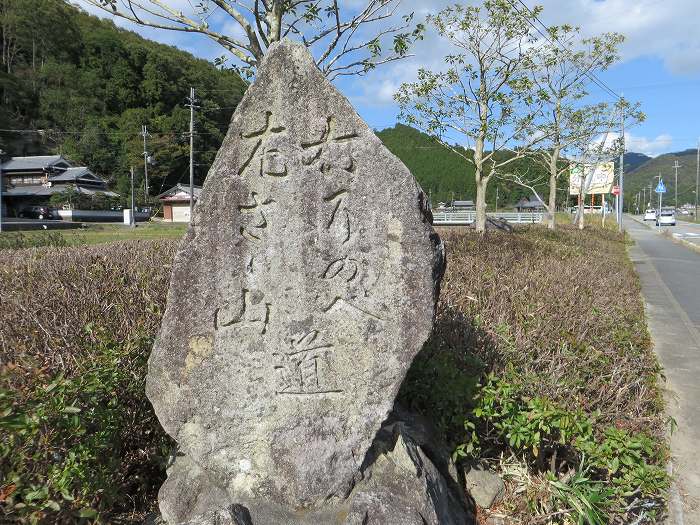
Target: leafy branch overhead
483 95
344 41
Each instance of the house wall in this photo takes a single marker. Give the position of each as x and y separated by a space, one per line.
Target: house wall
181 212
98 216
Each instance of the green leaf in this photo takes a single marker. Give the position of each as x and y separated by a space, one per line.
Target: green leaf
87 512
71 410
51 504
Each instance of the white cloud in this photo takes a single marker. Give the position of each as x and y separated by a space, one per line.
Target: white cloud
665 29
651 146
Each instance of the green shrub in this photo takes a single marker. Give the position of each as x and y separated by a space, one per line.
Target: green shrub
601 471
64 443
567 375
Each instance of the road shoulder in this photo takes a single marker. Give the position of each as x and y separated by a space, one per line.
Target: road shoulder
677 344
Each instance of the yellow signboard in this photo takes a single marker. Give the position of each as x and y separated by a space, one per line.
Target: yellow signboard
597 179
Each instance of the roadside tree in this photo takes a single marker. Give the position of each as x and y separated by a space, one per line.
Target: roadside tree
564 68
605 146
484 96
344 40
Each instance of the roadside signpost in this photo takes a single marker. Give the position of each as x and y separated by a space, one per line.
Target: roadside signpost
660 189
616 190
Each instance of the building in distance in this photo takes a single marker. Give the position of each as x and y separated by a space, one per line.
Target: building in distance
176 202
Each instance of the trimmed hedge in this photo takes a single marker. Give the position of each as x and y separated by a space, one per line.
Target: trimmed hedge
78 437
534 328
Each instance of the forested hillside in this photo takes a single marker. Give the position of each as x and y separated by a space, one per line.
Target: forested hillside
91 86
444 174
634 161
647 173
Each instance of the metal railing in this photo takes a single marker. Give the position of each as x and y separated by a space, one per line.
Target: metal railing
461 218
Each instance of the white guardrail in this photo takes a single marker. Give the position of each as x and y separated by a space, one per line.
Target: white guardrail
459 218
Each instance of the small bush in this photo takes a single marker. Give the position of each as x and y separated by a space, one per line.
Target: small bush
541 351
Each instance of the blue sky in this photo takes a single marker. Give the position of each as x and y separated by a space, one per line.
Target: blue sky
660 64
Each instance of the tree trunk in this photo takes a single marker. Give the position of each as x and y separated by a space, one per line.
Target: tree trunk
580 215
480 223
553 172
551 222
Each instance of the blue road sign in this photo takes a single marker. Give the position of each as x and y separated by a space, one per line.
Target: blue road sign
660 187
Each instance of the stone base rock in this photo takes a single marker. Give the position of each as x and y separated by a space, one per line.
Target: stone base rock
408 478
487 488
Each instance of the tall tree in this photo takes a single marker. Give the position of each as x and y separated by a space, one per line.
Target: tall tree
484 95
345 41
564 67
605 146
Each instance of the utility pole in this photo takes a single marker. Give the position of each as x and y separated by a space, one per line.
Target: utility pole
132 221
697 180
622 163
675 185
660 194
644 197
144 134
192 107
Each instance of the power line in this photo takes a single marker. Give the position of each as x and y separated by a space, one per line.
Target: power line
172 134
590 75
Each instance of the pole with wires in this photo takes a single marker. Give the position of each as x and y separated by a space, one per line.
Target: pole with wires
144 134
675 184
192 106
132 221
622 163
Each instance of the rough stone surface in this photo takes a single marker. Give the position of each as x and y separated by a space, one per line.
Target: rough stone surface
299 299
406 480
487 488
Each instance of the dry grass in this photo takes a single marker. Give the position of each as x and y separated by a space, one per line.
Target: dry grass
78 322
56 301
560 312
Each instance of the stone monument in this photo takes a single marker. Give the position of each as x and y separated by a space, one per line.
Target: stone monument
302 292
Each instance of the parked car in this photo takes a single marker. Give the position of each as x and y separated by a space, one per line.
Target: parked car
38 212
650 215
666 218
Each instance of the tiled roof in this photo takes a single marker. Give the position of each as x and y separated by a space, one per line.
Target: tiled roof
32 163
181 188
72 174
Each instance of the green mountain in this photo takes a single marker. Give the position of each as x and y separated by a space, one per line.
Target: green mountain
646 175
634 161
446 175
91 86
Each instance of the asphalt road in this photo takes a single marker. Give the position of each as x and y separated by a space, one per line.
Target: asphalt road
670 277
688 231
